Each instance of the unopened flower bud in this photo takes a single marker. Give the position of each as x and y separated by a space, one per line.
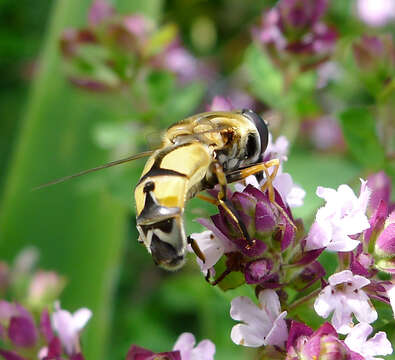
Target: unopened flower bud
384 250
380 184
45 287
256 271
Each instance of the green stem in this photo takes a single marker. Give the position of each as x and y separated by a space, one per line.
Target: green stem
303 299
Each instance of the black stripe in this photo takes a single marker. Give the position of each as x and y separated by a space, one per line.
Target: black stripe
159 172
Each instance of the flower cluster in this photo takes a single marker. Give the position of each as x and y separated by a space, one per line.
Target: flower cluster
59 332
295 27
270 250
112 51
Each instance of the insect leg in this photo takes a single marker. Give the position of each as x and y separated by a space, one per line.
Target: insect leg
196 249
251 170
227 205
208 199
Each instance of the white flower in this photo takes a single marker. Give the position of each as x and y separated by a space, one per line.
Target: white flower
205 350
343 215
211 246
290 192
68 326
344 296
376 12
263 324
377 345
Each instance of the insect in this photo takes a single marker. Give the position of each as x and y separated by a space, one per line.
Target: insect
196 154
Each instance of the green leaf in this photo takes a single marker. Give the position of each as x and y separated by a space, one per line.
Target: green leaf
360 133
160 85
79 235
265 79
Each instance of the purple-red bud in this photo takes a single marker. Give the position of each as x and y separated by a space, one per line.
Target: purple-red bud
257 271
22 331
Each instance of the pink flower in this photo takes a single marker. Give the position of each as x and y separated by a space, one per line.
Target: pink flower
44 286
376 12
343 215
344 296
68 326
100 10
323 343
278 149
185 344
377 345
263 324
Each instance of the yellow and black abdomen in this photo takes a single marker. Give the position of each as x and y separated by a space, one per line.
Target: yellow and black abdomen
160 195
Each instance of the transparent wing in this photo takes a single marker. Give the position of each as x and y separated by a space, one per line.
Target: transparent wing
84 172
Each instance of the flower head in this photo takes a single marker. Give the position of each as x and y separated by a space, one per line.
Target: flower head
342 216
357 341
68 326
295 27
263 324
344 296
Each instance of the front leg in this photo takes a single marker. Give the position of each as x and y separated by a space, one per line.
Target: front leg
218 171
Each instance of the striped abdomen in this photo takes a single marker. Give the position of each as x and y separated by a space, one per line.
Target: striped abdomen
171 176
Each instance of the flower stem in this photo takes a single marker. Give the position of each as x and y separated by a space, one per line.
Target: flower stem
304 299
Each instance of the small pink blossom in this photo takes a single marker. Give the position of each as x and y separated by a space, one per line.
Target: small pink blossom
344 296
68 326
185 344
100 10
263 324
278 149
343 215
377 345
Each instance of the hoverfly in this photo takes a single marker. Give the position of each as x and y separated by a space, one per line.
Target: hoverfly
196 154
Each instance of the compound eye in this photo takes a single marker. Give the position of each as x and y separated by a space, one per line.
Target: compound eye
251 146
260 126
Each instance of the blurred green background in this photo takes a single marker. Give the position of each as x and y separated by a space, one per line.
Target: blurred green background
85 229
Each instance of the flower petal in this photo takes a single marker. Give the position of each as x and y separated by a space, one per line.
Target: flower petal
184 344
205 350
247 336
278 334
81 317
